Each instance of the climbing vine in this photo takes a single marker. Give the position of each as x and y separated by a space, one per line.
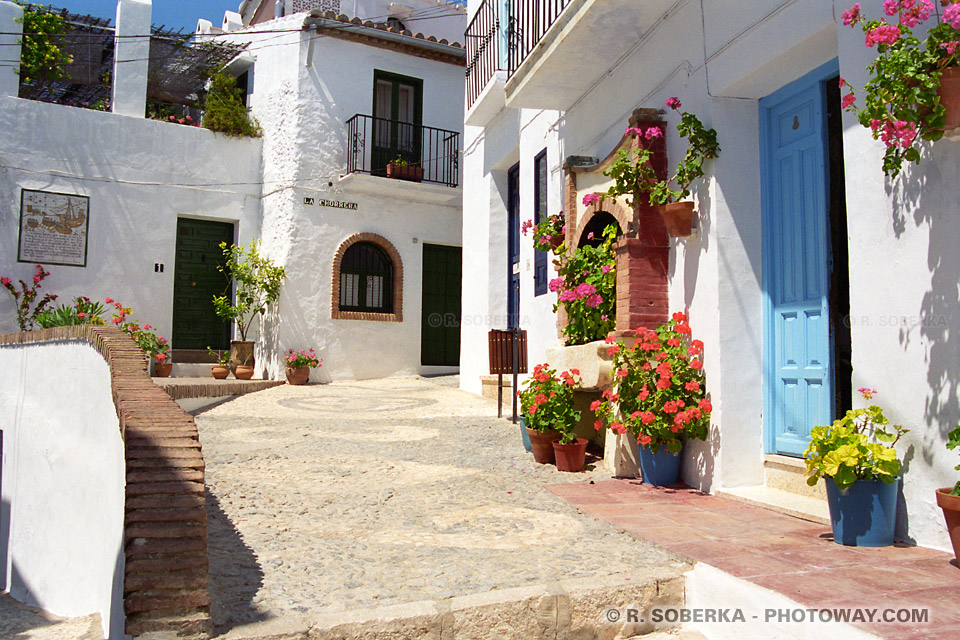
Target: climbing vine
41 52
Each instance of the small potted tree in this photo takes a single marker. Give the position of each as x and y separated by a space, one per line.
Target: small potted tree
401 169
222 367
659 396
546 402
857 458
948 499
256 282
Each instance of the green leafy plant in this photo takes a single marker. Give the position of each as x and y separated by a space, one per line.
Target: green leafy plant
858 446
301 358
257 283
82 311
41 53
399 161
222 358
659 392
633 174
952 443
546 401
24 298
586 288
901 101
152 344
548 234
224 111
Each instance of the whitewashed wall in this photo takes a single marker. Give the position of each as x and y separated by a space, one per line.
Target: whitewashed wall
304 111
140 176
61 526
904 299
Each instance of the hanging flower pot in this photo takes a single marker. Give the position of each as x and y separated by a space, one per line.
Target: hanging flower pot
949 93
678 216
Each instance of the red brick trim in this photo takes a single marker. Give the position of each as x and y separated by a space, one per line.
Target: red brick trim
622 213
386 245
165 528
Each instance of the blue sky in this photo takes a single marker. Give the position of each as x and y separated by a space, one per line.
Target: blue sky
171 13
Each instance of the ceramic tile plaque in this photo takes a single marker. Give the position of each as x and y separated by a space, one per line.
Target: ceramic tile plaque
53 228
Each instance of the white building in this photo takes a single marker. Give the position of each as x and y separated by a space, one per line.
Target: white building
876 256
339 96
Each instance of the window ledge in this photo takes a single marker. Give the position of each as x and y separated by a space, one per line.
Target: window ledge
366 315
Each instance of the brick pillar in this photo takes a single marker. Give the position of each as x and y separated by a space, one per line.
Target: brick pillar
643 261
570 220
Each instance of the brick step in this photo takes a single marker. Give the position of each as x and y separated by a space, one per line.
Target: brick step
173 601
170 453
191 579
166 463
168 563
165 475
140 547
196 624
159 501
191 514
164 488
162 439
162 530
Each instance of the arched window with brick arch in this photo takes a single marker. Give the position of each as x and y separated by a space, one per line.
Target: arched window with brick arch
367 280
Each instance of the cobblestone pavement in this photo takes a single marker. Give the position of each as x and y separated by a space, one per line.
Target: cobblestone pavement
354 495
20 622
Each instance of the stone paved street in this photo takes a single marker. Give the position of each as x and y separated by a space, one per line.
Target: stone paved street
357 495
20 622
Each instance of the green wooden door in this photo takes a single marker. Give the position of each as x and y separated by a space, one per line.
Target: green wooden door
440 317
196 280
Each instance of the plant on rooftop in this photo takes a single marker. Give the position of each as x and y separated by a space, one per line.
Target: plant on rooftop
41 55
903 101
224 111
24 298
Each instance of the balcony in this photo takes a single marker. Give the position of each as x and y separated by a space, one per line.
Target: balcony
428 154
560 49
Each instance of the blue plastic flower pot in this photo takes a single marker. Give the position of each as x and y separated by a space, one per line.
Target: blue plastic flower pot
660 469
523 434
864 514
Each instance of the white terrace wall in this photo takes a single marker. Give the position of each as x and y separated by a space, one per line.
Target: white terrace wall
61 482
303 110
905 306
140 176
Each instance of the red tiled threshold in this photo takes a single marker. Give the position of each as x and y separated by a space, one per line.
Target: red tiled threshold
792 557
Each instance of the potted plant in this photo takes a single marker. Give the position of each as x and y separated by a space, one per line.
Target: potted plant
856 456
546 402
222 369
82 311
659 396
155 347
948 499
633 174
400 169
298 365
914 88
24 298
548 234
256 281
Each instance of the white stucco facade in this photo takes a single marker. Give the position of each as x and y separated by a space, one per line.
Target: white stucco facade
62 501
904 303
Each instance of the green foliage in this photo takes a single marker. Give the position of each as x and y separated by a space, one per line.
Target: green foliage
632 175
224 110
953 443
586 287
659 392
858 446
153 345
222 358
901 104
702 146
41 54
546 232
82 311
257 281
24 298
546 402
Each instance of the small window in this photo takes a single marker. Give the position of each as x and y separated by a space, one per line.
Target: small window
366 279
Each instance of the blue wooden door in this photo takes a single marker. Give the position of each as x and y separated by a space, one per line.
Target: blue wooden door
798 374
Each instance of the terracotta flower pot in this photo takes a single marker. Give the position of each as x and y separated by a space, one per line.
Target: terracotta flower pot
405 172
556 241
298 375
541 444
218 372
678 216
243 372
951 512
241 353
570 457
949 93
162 369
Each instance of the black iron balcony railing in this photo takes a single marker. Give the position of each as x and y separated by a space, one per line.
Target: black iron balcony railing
529 22
483 49
430 154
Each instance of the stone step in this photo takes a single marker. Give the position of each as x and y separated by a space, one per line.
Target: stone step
789 474
192 370
792 504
